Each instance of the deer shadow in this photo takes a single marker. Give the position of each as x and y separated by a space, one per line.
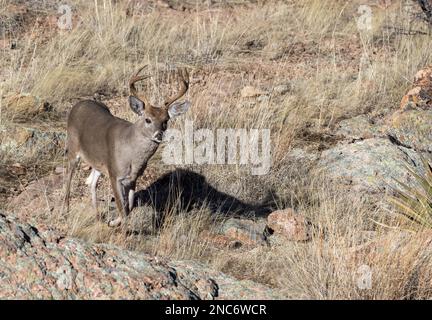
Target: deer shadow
183 190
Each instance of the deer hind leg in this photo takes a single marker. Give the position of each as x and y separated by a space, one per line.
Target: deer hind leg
72 164
89 178
92 182
131 196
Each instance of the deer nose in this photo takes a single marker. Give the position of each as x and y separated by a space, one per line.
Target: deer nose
157 136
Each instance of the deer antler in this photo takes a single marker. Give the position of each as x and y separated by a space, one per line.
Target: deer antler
184 77
135 78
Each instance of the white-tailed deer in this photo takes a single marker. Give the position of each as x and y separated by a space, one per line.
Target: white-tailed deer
117 147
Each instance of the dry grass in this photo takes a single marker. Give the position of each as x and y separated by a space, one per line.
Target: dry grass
312 46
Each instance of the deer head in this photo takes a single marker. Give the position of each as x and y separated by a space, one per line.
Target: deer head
154 120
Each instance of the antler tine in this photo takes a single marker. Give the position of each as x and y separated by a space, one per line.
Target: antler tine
135 78
184 87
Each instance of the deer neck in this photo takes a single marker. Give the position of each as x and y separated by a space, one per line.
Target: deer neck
142 136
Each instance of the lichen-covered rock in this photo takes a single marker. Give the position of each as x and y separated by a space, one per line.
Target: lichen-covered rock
421 93
229 288
246 231
412 128
359 127
289 225
369 165
26 142
45 265
411 125
281 89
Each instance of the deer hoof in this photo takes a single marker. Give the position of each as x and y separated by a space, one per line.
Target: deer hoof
115 223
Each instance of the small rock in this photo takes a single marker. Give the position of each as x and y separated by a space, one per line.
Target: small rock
281 89
249 92
263 99
24 107
207 288
18 169
59 170
289 224
246 231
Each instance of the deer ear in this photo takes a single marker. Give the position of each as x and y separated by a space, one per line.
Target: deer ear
178 108
136 105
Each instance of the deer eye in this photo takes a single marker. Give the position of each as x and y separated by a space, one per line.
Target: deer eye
147 120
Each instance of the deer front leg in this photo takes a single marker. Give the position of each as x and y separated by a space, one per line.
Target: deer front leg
124 192
127 188
119 200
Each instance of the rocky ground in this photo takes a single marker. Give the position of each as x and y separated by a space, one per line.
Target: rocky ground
44 265
343 132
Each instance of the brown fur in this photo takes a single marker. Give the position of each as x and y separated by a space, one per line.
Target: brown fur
114 146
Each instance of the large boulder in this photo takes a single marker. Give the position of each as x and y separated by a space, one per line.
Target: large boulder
369 165
45 265
412 128
411 125
420 94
